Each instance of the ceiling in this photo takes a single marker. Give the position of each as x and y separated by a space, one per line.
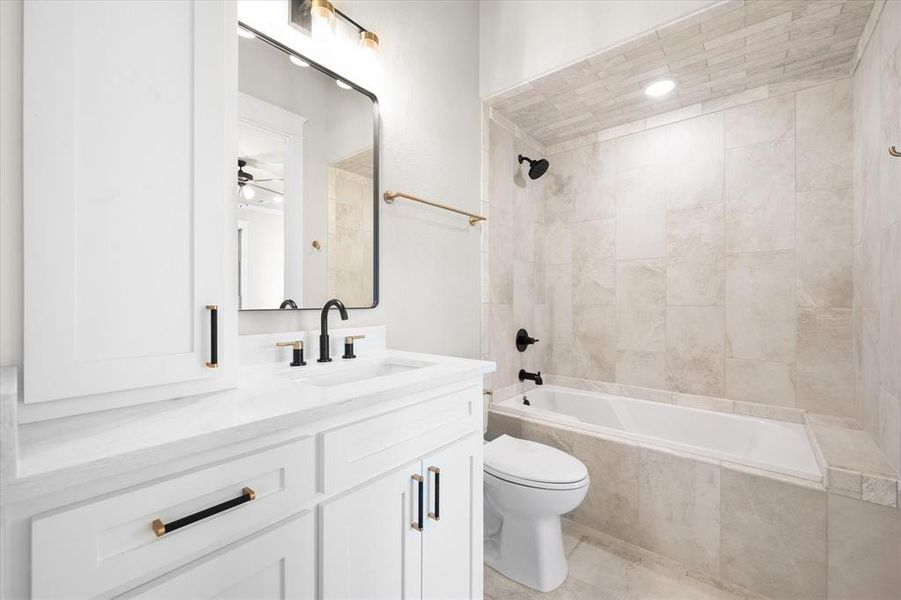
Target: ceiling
728 48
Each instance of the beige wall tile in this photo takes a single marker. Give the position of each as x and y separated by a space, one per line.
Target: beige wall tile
679 503
692 282
760 197
772 536
558 290
825 362
694 162
825 132
694 348
824 247
594 265
760 381
611 504
500 264
561 439
499 425
640 212
641 368
757 122
760 306
890 308
594 342
888 428
641 305
640 149
864 549
696 233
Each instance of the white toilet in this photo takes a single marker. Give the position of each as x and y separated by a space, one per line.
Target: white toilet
528 486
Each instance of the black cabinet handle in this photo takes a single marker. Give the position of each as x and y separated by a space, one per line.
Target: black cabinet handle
160 528
417 524
214 335
437 514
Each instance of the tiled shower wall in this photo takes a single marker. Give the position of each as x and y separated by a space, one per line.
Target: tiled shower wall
877 234
711 256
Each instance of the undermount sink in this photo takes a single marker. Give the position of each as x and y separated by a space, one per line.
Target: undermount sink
340 374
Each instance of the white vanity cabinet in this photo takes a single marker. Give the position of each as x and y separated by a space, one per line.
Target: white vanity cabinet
129 166
413 533
276 564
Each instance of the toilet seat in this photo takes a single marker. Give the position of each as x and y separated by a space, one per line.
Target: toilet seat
534 465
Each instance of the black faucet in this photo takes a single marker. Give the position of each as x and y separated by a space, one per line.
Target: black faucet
323 330
536 377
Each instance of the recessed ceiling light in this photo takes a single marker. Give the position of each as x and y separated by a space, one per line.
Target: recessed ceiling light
298 62
342 85
245 33
660 88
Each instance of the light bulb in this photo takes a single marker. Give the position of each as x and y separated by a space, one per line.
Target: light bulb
660 88
296 61
245 33
248 192
342 85
369 44
322 15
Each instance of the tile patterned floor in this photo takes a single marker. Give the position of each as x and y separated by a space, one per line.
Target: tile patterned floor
600 569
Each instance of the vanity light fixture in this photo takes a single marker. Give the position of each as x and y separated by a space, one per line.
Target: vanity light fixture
322 16
369 43
296 61
245 33
661 87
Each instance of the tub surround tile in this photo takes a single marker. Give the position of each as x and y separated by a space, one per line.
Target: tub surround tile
864 549
760 197
825 361
641 212
678 513
611 504
844 482
499 425
825 219
695 351
642 370
694 162
641 305
705 402
772 536
760 306
880 490
852 450
594 264
758 122
768 411
556 437
594 342
760 382
825 136
692 282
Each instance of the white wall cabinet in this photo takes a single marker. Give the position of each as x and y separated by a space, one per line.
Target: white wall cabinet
371 546
129 146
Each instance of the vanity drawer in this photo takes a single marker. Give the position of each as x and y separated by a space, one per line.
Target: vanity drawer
100 546
363 450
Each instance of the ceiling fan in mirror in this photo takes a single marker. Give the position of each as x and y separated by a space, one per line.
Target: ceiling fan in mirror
247 183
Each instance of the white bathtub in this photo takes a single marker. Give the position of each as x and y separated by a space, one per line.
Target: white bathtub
762 443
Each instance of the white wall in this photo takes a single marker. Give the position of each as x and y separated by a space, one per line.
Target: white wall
522 40
429 104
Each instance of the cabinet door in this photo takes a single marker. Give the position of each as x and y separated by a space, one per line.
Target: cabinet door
128 176
274 565
452 540
369 548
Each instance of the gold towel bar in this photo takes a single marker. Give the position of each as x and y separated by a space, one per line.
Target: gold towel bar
473 219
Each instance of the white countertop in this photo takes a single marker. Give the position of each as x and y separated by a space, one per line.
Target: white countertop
269 398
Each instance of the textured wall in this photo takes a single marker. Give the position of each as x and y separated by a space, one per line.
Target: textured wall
877 234
710 255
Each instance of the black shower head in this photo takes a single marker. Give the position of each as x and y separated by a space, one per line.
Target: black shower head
537 168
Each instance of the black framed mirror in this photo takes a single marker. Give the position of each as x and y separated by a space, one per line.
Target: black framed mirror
306 184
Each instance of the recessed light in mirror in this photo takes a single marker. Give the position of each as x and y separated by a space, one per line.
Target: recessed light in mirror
342 85
660 88
245 33
296 61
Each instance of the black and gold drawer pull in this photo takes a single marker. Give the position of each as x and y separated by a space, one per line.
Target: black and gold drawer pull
160 528
417 524
214 335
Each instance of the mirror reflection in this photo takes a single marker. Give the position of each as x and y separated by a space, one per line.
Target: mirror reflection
306 184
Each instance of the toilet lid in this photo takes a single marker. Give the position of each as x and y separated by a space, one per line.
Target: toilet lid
531 463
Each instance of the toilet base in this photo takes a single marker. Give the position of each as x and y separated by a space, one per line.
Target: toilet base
528 551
